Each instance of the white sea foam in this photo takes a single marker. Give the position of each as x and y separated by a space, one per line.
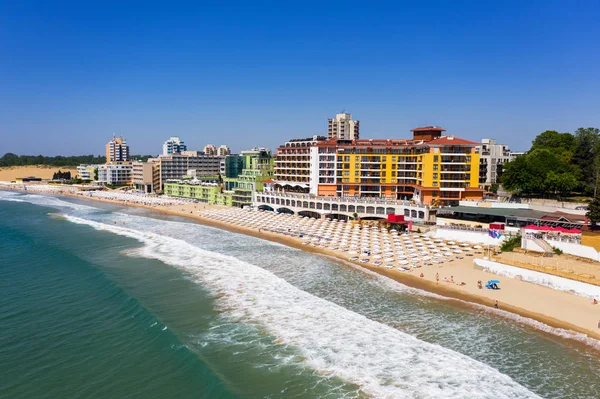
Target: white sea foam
44 200
331 339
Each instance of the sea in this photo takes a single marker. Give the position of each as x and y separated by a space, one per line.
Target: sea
106 301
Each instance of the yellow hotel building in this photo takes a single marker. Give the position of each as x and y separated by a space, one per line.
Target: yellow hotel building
429 168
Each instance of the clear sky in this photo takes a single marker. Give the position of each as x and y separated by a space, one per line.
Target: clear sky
259 73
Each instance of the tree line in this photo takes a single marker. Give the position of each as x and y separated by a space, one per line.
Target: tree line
557 164
10 159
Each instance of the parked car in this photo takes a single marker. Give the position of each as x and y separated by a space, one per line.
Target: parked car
582 208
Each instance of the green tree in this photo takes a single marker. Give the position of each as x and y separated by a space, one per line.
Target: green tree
593 213
551 139
586 154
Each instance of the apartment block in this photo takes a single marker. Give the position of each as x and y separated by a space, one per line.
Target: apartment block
115 174
176 166
87 172
343 127
174 145
143 176
117 151
492 157
210 149
223 150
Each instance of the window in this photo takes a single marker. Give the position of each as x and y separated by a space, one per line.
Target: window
435 167
346 166
393 159
434 194
383 159
356 173
435 176
436 158
393 173
434 184
383 174
346 173
356 166
356 158
468 159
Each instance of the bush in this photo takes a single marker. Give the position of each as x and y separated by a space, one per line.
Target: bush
511 243
557 251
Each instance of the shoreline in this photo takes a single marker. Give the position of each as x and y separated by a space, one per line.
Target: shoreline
459 296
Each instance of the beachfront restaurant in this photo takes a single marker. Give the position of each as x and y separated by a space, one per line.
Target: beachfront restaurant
512 217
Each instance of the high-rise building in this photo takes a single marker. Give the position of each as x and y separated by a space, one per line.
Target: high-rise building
210 149
223 150
117 150
429 168
343 127
173 146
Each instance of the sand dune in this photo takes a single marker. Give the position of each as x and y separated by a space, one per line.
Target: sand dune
45 172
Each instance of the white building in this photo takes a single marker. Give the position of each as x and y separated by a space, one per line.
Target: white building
223 151
343 127
176 166
87 172
173 146
115 174
491 158
210 149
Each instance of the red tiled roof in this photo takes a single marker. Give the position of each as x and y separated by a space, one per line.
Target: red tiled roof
428 129
268 181
449 140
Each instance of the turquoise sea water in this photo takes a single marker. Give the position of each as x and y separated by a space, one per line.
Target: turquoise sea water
102 301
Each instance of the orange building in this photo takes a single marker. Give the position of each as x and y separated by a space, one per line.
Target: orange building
429 168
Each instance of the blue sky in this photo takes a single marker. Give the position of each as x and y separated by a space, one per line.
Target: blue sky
259 73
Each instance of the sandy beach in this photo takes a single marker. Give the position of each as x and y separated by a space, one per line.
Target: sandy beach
45 172
554 308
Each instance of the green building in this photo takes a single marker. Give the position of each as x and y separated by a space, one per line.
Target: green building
210 192
235 188
258 166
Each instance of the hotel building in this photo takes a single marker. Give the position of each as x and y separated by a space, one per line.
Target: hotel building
343 127
115 174
173 146
492 157
429 169
176 166
117 150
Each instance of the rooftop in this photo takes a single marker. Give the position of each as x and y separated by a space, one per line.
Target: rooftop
428 129
451 140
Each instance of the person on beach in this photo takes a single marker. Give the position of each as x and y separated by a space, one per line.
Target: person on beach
437 278
422 275
479 284
496 304
452 279
595 301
